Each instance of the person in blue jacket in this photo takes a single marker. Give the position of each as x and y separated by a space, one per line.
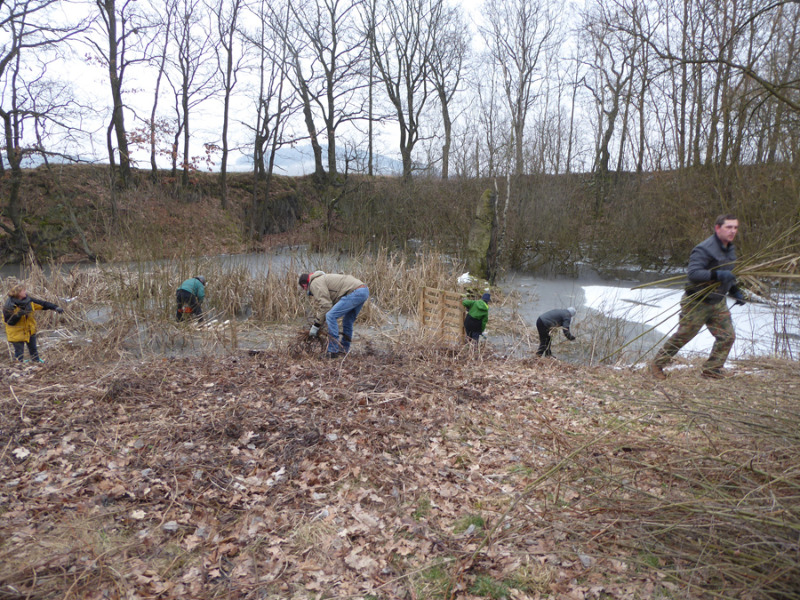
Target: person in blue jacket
190 298
477 316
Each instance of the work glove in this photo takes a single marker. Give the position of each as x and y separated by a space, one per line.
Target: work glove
569 336
726 280
59 310
725 277
314 330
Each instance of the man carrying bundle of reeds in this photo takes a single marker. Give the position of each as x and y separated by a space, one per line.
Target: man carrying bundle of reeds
711 280
190 298
336 297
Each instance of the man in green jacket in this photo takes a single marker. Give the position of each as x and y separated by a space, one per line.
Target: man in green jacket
477 316
190 298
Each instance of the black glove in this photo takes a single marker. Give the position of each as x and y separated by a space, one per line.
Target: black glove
739 298
59 310
725 277
569 336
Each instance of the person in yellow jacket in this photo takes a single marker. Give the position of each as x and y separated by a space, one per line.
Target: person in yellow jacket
20 323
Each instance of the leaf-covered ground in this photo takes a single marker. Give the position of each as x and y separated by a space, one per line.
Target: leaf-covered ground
396 474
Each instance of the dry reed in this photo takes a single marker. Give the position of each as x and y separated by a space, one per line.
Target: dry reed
112 310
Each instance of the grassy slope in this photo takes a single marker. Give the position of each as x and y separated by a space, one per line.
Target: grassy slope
155 220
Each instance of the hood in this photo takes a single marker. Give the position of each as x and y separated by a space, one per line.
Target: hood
312 277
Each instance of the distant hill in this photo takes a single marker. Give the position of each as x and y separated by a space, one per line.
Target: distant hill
293 161
299 160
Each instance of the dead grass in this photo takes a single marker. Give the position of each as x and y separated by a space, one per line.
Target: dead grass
280 475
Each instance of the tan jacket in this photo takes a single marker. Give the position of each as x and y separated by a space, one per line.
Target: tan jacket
327 289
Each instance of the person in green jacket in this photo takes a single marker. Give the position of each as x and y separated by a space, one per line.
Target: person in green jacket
190 298
477 316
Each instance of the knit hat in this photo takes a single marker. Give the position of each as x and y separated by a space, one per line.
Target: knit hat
571 310
486 297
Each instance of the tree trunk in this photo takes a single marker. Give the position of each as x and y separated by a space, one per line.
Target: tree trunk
186 156
117 115
319 170
448 128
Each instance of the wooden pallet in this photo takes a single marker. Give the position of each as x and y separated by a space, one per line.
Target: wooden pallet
442 314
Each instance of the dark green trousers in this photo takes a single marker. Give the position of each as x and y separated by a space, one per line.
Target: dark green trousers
695 314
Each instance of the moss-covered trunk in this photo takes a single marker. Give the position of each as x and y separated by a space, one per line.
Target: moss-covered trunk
481 257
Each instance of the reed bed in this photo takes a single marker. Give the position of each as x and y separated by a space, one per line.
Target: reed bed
148 289
116 309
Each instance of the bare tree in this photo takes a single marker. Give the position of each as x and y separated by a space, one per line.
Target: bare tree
609 77
488 161
517 34
776 126
716 69
332 52
229 60
123 26
448 56
155 126
402 46
191 80
273 105
29 34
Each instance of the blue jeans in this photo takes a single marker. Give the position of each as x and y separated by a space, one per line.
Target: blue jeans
347 309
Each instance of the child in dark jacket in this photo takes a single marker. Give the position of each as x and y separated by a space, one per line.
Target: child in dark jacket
20 324
477 316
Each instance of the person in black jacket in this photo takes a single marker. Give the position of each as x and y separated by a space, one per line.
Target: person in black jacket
711 279
20 324
558 317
